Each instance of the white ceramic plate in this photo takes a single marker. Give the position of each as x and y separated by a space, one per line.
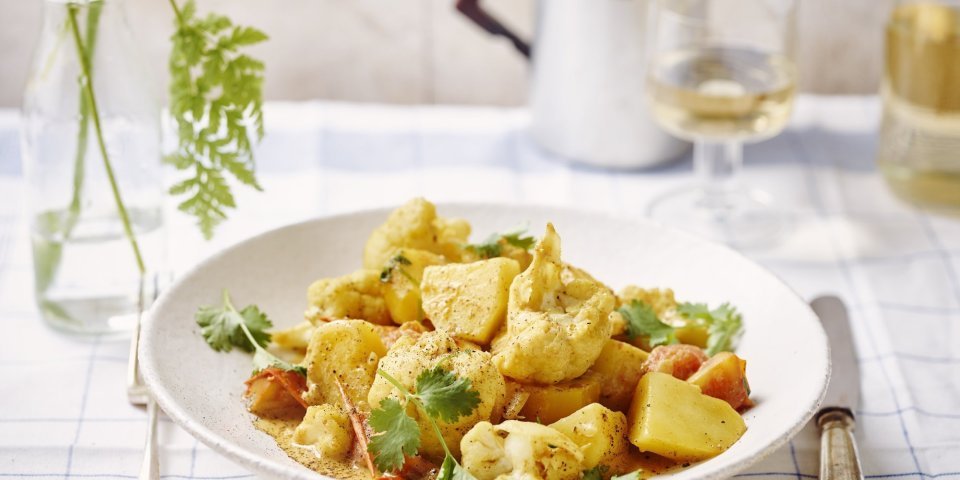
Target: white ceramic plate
785 347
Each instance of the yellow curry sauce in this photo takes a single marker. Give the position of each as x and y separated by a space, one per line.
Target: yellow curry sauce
282 431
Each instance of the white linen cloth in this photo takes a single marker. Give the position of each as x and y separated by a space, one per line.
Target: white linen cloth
63 409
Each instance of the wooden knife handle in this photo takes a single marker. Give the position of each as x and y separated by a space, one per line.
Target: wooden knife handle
838 449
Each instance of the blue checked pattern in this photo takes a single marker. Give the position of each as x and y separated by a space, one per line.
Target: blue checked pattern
63 413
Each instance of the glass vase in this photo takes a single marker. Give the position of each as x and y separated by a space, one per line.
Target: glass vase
91 156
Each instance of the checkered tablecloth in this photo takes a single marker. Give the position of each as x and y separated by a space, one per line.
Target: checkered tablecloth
63 410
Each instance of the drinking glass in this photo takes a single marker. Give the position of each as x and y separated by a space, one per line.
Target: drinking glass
919 152
79 157
721 73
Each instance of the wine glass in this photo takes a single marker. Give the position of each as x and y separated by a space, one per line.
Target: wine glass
720 74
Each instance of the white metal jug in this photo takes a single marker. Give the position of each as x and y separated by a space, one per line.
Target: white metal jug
587 86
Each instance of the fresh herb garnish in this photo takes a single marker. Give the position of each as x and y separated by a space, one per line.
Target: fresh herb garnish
451 470
396 264
225 327
438 394
491 247
642 321
595 473
216 96
445 395
724 324
400 437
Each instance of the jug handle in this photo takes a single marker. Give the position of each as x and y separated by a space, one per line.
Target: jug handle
472 10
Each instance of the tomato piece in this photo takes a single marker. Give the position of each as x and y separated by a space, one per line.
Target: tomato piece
678 360
276 393
724 376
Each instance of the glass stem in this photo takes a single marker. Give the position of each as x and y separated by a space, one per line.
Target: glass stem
718 165
87 86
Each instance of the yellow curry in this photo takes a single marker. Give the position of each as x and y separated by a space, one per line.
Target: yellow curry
498 360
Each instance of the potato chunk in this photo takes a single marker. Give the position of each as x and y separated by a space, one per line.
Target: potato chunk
401 291
724 376
347 350
358 295
549 403
415 225
409 357
295 338
520 450
557 319
326 429
600 433
620 366
672 418
469 300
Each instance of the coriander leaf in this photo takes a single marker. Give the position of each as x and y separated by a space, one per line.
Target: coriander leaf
643 321
489 248
222 327
492 247
517 239
451 470
694 311
437 387
634 475
726 328
257 322
216 99
445 395
724 324
396 264
595 473
397 435
264 359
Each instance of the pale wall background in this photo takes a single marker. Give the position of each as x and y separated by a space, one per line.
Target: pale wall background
423 51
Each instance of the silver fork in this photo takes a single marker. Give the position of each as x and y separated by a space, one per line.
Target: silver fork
137 392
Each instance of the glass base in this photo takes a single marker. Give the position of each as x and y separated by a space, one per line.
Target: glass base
744 219
104 317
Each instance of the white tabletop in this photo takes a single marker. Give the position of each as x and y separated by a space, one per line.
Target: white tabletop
63 410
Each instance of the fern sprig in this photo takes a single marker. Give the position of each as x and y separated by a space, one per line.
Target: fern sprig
216 98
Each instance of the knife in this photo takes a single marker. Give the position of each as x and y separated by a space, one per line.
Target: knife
838 448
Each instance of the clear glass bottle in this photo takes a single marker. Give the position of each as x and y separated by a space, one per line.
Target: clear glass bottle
919 151
83 149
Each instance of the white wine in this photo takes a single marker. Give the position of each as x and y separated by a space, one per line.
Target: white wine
919 149
722 93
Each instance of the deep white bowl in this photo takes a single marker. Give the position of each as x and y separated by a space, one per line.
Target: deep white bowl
200 389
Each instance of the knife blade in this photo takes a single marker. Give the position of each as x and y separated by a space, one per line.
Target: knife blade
839 458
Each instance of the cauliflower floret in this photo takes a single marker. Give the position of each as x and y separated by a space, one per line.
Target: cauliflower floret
415 225
344 350
326 429
557 319
409 357
358 295
515 450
